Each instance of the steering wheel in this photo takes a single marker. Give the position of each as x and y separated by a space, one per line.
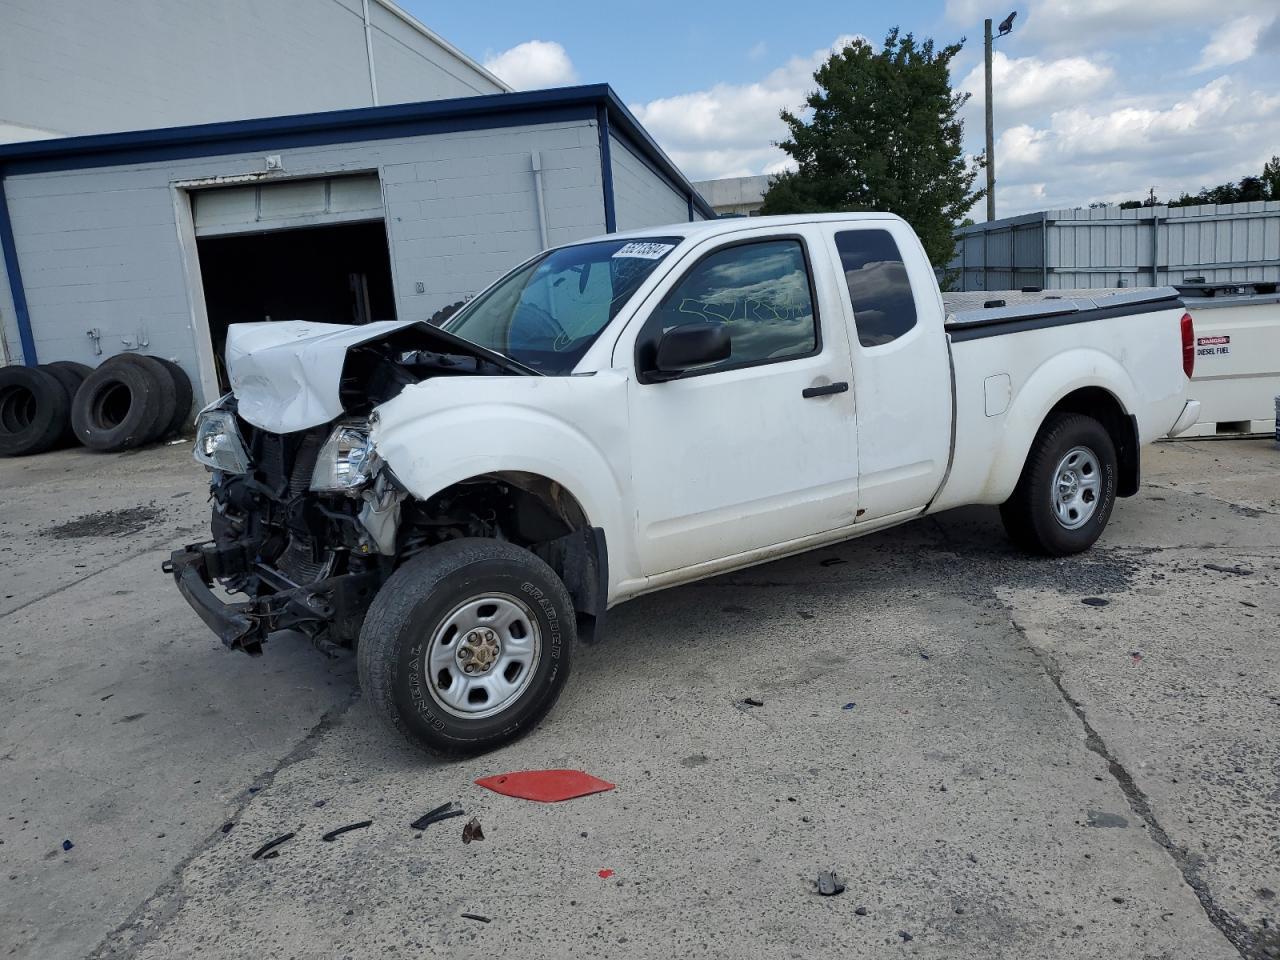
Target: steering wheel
550 325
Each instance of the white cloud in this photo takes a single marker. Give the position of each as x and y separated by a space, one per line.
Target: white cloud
533 65
1025 82
728 130
1234 41
1117 149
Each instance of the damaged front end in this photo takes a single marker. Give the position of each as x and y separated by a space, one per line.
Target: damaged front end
306 517
303 523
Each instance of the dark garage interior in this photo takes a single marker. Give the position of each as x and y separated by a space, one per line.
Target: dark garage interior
330 274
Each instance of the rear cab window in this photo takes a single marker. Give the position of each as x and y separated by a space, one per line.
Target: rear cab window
884 308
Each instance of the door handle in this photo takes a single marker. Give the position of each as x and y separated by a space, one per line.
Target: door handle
824 391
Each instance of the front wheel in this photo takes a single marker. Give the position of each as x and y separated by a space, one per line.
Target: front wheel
467 646
1067 489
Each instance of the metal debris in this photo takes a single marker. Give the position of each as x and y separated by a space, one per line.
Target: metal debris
751 702
268 849
472 830
333 834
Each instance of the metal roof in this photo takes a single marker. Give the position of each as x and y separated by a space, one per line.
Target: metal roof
596 101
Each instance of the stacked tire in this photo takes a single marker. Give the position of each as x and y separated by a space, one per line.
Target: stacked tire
128 401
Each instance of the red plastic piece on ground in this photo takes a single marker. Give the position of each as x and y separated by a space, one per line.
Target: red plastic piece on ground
605 874
545 786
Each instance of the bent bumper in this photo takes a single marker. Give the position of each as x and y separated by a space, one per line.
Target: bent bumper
245 625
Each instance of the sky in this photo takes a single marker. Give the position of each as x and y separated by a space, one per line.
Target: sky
1095 100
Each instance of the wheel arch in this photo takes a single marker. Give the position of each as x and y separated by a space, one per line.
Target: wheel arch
1105 407
543 516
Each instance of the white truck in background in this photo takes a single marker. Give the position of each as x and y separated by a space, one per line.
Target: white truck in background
637 411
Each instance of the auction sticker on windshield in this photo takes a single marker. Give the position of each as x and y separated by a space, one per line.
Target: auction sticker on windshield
643 250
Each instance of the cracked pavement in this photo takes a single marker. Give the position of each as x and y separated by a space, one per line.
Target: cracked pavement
993 767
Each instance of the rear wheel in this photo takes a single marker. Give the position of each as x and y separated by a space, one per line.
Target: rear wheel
467 646
1068 486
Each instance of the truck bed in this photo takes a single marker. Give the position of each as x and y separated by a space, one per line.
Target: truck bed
989 313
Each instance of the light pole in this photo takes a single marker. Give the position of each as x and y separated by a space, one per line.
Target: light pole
1006 25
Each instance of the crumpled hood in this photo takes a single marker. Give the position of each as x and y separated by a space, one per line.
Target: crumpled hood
285 375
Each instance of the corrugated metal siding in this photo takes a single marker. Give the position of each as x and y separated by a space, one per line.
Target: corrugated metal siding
640 197
1107 246
99 247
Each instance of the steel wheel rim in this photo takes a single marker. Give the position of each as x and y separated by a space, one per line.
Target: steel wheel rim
496 635
1076 488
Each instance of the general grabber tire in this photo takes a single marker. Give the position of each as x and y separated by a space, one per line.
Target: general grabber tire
124 403
33 411
482 604
1067 489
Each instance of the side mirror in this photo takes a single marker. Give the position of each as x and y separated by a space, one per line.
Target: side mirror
690 345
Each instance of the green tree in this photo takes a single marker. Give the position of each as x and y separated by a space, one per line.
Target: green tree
884 134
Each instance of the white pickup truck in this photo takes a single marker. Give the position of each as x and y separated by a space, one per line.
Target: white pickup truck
624 414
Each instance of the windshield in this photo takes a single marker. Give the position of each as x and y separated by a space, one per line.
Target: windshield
547 313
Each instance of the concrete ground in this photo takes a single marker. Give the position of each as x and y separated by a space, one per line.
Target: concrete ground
994 767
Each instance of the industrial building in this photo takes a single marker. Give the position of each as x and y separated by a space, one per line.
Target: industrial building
735 196
74 67
1109 247
155 241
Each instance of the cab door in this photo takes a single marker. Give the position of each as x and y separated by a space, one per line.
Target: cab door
902 368
758 449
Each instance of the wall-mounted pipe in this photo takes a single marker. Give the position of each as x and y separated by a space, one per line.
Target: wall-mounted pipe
536 159
368 48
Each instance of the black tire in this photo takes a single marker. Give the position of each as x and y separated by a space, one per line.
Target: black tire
80 370
1031 516
123 404
69 375
33 411
416 601
182 398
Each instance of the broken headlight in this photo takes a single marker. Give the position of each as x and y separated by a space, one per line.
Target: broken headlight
346 461
218 443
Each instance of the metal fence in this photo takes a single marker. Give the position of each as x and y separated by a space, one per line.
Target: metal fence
1110 247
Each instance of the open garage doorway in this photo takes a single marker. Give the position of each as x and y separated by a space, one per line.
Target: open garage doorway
312 250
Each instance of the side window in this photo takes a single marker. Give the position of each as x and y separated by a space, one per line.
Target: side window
883 306
761 291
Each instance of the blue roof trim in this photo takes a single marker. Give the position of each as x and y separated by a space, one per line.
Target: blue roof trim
10 254
344 126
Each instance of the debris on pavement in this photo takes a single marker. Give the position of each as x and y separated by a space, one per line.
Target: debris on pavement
1238 570
829 884
906 937
848 706
1095 601
226 827
105 523
475 916
751 702
831 562
67 845
545 786
472 830
605 874
861 911
443 812
268 849
334 834
1136 656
